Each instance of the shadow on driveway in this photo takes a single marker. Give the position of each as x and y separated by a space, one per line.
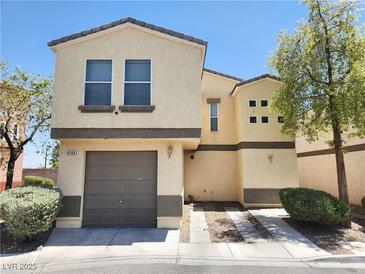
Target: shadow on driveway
110 236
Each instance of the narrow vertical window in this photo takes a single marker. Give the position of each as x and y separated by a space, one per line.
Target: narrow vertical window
2 128
213 117
98 82
137 82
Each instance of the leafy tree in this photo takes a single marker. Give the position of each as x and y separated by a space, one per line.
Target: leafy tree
25 105
322 67
55 155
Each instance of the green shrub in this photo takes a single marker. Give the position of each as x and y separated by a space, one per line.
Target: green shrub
38 181
363 202
314 206
29 210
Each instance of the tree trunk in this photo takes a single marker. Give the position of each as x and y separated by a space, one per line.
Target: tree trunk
10 172
341 170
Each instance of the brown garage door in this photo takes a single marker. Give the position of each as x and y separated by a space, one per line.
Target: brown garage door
120 189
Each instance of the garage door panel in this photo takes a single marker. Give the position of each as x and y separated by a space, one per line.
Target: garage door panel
111 177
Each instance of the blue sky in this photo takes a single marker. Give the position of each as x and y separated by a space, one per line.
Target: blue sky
240 35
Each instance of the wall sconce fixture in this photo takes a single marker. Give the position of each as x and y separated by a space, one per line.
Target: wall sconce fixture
170 149
271 156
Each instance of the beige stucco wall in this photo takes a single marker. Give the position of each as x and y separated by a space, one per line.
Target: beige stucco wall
211 176
214 86
261 172
260 90
319 171
176 79
71 172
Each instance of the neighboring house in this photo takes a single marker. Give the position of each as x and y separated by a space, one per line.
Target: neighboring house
4 156
317 167
42 172
143 126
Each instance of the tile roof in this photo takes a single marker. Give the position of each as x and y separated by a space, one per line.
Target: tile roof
254 80
123 21
223 74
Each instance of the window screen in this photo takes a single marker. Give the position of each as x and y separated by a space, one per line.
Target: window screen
264 119
252 103
98 82
213 117
137 82
264 103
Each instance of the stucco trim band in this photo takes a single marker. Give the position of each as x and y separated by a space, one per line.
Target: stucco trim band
96 109
261 195
75 133
328 151
70 206
136 108
247 145
169 205
213 100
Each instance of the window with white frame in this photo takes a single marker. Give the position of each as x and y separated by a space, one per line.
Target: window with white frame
137 82
213 117
98 82
15 131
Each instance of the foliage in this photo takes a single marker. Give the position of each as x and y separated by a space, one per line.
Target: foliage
363 202
314 206
54 160
38 181
29 210
322 67
25 105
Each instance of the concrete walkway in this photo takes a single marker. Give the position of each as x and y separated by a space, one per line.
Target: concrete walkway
198 226
246 229
298 245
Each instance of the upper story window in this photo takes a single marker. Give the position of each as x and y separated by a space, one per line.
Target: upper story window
98 82
253 119
137 82
264 119
252 103
280 119
2 127
15 131
213 117
264 103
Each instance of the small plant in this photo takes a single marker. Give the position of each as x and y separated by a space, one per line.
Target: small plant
29 210
38 181
312 205
363 202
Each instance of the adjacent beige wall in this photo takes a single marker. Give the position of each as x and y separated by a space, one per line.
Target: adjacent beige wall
176 79
319 171
211 176
71 172
214 86
260 90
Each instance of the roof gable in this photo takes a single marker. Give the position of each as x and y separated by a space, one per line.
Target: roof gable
255 79
121 22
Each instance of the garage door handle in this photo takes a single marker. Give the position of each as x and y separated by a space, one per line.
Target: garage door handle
139 179
121 202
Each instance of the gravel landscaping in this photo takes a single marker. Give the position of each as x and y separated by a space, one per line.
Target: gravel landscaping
185 224
327 237
11 245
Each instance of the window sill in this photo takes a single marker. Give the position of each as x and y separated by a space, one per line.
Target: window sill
95 109
136 108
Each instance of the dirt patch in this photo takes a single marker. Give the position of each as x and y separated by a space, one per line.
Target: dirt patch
185 224
220 226
327 237
11 245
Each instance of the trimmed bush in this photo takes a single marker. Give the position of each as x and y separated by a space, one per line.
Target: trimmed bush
363 202
312 205
38 181
29 210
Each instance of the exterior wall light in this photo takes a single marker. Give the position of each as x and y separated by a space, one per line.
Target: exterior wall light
170 149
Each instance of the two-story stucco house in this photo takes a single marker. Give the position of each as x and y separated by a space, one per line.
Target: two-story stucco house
143 126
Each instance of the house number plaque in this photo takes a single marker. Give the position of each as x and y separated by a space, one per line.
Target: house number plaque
72 152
